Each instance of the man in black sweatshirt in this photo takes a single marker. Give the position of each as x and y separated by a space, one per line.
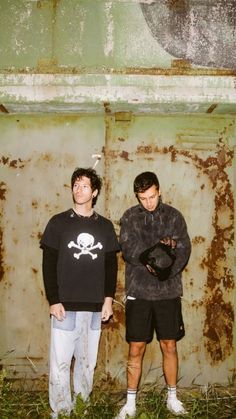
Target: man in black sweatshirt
79 272
153 285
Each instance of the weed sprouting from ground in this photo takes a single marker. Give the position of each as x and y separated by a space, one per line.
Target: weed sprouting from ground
210 402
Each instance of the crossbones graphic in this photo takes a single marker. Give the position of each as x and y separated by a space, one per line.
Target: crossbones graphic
85 243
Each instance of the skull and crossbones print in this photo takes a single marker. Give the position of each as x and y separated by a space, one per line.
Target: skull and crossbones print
85 243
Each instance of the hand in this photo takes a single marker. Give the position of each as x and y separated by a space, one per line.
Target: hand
107 310
58 311
150 269
169 242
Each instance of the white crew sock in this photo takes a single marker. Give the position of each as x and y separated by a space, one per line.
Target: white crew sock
171 392
131 398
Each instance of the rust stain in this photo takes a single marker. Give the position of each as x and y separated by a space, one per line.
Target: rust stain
15 164
198 239
181 63
39 235
173 71
173 151
218 327
118 318
107 107
3 109
34 270
125 155
3 190
47 157
123 116
197 303
2 270
144 149
35 204
212 108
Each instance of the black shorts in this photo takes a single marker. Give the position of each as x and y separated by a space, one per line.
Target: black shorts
143 317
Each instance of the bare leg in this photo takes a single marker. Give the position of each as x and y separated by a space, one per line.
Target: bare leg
134 369
170 361
170 369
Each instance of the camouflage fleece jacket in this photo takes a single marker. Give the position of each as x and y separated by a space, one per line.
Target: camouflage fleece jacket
141 229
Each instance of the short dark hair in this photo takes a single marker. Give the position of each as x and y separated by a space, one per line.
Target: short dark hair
95 179
144 181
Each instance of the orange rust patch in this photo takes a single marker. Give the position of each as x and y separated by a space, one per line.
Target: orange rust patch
3 190
198 239
125 155
34 204
107 107
15 163
2 270
218 327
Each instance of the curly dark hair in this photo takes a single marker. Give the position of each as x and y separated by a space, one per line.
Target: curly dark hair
144 181
95 179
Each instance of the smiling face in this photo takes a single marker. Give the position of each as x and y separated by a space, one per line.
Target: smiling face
149 198
82 192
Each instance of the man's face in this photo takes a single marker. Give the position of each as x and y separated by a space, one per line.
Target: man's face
82 191
150 198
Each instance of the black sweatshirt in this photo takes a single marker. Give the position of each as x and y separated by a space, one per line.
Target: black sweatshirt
141 229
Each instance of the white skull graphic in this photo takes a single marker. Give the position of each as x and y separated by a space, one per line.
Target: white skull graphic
85 243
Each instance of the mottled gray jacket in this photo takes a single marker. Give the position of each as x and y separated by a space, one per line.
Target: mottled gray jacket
141 229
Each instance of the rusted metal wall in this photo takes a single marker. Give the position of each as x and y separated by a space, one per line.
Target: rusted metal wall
194 159
38 156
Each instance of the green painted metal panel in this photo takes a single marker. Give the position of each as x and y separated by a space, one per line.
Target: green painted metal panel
26 33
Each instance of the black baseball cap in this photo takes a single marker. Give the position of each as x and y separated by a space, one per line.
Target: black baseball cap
160 259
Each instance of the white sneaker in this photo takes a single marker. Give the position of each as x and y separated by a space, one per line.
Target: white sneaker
176 407
126 411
